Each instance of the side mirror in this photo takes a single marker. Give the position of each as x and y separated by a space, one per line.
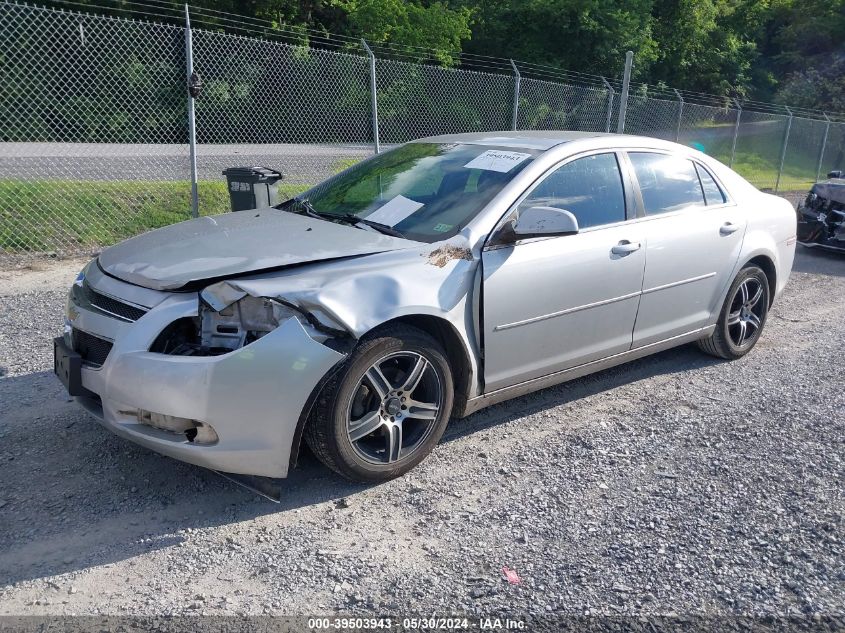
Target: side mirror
835 174
544 222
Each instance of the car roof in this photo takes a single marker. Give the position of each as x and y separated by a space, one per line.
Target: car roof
547 139
528 139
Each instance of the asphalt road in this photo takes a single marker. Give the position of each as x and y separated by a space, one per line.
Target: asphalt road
111 161
677 484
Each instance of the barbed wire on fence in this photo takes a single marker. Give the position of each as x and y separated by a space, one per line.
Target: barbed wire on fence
95 140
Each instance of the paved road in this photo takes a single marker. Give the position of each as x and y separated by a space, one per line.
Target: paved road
104 161
675 484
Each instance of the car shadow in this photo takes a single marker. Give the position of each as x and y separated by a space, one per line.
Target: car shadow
818 261
74 496
677 360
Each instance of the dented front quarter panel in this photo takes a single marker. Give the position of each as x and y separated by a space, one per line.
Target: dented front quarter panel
356 296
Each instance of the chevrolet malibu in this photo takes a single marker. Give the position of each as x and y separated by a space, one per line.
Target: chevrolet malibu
420 285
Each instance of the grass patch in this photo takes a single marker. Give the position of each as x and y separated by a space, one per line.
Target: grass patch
66 216
344 163
763 172
757 157
72 215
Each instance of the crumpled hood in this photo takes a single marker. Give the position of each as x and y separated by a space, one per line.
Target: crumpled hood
833 190
220 246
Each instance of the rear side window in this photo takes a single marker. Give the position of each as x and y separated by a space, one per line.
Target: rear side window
667 183
589 187
712 193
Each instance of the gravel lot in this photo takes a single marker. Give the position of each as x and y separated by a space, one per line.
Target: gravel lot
675 484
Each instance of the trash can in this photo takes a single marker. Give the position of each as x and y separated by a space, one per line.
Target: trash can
252 187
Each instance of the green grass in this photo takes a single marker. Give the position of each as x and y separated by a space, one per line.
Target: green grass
759 163
72 215
763 173
758 156
67 215
344 163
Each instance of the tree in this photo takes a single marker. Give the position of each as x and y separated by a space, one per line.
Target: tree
578 35
801 49
414 24
765 49
706 45
821 88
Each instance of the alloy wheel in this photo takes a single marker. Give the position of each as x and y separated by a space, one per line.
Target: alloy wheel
394 407
746 313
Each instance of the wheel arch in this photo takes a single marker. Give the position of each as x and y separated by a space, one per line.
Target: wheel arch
456 353
768 265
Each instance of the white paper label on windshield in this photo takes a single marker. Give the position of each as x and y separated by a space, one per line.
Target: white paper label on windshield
394 211
497 160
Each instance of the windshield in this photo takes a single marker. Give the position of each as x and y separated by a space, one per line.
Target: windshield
421 191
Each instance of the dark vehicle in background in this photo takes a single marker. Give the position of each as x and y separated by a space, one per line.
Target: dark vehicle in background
821 217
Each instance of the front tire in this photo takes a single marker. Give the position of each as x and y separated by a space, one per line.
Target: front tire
742 318
386 409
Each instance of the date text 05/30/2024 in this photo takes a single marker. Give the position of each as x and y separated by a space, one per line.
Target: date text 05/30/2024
415 623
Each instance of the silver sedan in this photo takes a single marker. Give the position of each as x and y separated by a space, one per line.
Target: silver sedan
418 286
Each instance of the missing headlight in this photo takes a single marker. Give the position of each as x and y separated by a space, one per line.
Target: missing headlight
242 322
213 332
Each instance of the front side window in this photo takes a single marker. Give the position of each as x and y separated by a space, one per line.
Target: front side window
667 183
421 191
589 187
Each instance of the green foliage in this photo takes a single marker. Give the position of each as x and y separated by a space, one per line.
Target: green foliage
98 213
704 45
430 25
739 48
583 35
807 49
821 87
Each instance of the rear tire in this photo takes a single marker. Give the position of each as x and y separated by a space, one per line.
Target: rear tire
387 407
742 317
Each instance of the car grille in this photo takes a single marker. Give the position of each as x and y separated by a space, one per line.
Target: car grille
88 297
93 349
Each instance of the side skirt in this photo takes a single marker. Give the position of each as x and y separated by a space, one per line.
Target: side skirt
535 384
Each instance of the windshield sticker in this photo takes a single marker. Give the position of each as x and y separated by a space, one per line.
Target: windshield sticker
394 211
442 228
497 160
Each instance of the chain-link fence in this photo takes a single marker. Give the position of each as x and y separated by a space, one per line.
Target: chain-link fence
95 142
304 112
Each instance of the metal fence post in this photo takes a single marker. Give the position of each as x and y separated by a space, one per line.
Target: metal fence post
736 131
515 95
626 83
192 129
373 95
783 151
824 145
680 114
611 93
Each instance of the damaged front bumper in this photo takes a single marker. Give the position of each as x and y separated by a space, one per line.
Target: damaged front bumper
244 406
821 217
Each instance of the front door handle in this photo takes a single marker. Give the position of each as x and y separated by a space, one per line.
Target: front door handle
728 228
625 248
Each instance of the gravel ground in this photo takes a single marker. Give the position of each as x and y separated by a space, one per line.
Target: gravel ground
674 484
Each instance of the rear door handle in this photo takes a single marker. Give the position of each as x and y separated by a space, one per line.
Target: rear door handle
625 248
728 228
